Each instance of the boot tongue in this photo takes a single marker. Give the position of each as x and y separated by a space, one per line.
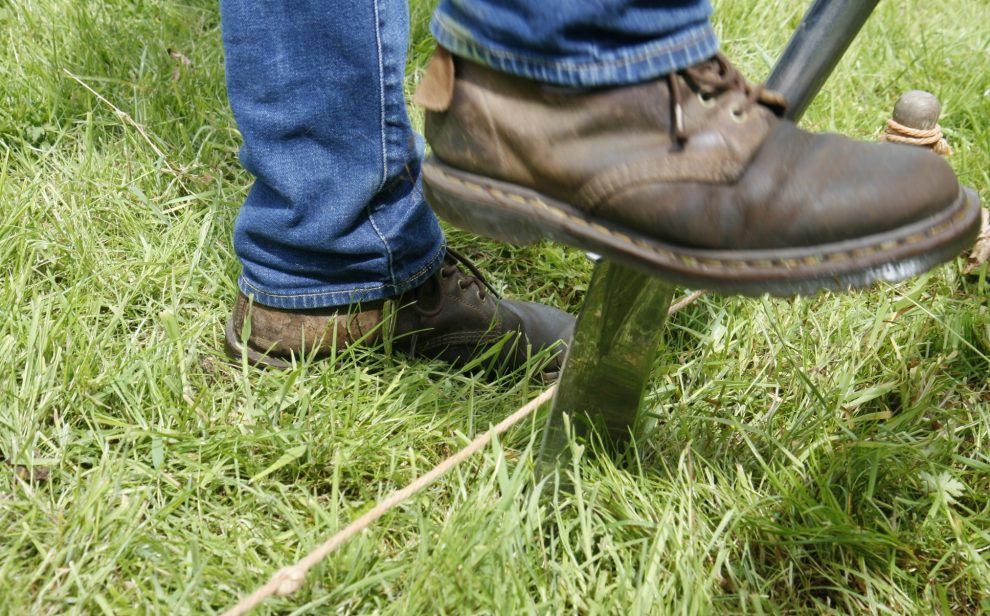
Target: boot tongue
706 67
715 75
429 295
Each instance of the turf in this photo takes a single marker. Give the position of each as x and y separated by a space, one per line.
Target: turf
817 455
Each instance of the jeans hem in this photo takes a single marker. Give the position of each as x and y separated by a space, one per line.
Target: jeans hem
630 65
343 296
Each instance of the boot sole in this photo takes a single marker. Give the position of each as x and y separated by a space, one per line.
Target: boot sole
522 216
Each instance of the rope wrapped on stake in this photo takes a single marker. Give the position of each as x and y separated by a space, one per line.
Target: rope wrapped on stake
981 249
899 133
915 122
289 579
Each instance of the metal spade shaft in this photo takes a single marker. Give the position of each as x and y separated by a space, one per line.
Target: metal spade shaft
817 45
620 325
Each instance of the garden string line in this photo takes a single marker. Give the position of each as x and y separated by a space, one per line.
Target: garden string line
289 579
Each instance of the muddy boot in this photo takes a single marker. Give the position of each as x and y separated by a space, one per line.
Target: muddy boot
693 177
455 316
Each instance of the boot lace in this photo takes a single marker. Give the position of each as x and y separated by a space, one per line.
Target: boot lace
452 264
710 79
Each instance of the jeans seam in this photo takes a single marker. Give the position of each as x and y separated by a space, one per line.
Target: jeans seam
384 128
381 93
388 249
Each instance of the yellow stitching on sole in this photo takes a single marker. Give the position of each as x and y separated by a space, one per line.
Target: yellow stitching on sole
789 263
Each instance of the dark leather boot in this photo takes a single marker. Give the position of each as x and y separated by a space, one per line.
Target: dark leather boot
693 177
455 316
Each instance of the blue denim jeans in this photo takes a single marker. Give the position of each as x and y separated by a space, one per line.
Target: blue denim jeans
578 43
336 215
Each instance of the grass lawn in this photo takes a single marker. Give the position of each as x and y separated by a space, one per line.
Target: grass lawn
818 455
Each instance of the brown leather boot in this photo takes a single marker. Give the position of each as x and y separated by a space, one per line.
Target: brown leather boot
692 177
455 316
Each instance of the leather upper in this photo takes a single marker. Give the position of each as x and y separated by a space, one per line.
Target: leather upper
454 316
741 179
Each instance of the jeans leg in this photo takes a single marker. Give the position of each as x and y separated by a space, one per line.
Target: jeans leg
335 214
587 44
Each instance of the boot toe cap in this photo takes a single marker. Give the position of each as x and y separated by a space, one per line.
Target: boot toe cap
545 328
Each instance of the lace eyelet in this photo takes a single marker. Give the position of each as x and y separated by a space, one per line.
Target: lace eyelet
707 101
738 115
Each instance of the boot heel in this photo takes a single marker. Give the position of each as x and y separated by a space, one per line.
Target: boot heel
489 216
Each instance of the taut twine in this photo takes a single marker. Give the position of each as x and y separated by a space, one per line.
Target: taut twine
289 579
